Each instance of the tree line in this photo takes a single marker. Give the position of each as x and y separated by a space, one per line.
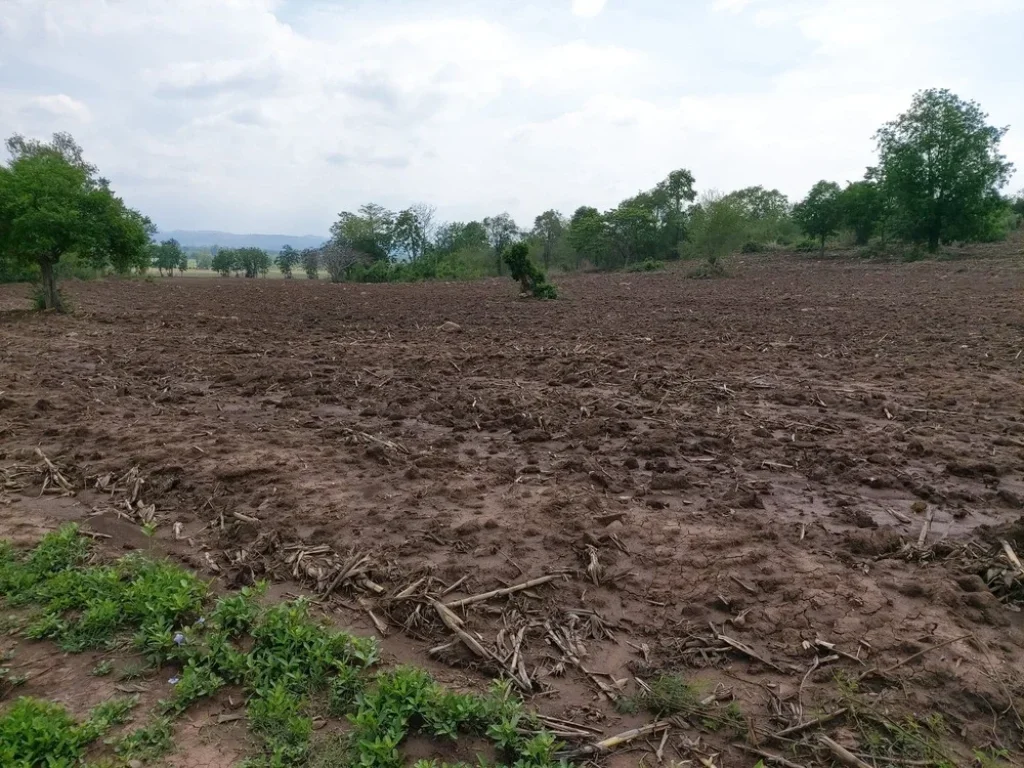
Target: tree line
938 179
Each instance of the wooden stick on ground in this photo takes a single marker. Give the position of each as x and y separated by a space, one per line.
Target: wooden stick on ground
454 623
771 758
612 742
919 654
842 754
748 651
800 727
925 528
1012 556
503 591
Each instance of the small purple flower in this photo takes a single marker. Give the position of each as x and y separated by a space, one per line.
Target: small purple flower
179 639
174 680
200 621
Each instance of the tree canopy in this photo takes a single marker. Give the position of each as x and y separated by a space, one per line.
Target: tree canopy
940 165
820 213
53 205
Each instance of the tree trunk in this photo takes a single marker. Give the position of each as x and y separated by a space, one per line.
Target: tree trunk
50 295
933 238
822 245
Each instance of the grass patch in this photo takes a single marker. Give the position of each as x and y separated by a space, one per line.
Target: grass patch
282 657
41 733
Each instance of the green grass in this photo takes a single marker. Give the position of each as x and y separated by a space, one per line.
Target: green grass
289 665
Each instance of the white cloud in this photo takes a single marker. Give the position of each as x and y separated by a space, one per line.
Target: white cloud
277 115
58 106
588 9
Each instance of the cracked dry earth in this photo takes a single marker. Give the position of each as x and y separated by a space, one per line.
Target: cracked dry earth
774 484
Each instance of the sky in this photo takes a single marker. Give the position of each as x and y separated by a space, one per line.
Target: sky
275 115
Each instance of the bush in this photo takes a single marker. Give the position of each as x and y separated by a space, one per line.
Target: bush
531 278
647 265
752 247
718 227
806 245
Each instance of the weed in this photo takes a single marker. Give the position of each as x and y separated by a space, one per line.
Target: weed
279 654
671 695
134 671
147 743
708 269
149 529
102 669
647 265
40 733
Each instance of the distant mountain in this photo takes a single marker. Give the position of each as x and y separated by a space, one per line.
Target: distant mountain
201 238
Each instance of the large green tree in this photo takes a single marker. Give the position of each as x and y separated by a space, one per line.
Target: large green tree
632 230
820 213
548 229
941 167
53 205
502 231
718 226
765 210
168 256
862 205
370 231
587 235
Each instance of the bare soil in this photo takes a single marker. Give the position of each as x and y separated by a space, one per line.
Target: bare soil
753 458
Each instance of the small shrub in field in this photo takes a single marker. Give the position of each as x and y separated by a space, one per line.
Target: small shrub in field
529 275
752 247
647 265
806 245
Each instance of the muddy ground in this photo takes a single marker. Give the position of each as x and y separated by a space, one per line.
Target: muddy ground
789 486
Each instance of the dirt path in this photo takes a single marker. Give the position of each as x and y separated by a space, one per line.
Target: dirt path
722 470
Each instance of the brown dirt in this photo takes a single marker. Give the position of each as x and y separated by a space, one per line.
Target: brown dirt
755 453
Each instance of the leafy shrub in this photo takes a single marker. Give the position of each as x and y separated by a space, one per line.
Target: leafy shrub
806 245
647 265
531 278
752 247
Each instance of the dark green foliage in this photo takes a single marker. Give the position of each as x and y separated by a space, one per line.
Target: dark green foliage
531 278
647 265
39 733
587 235
288 658
53 204
820 214
286 259
168 256
717 228
147 743
310 258
862 206
941 169
224 262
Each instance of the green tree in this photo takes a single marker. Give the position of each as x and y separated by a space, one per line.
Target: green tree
53 205
671 198
370 231
940 164
587 235
632 230
862 206
169 257
412 230
502 231
459 236
718 226
548 228
765 210
204 260
820 213
287 258
310 258
224 262
255 262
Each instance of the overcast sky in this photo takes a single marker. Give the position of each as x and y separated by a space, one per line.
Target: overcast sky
274 115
